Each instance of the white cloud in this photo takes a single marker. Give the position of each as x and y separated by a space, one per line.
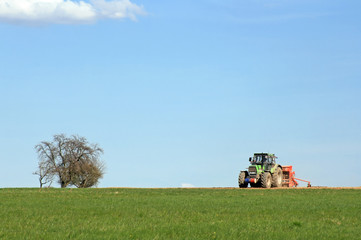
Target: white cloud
66 11
187 185
117 9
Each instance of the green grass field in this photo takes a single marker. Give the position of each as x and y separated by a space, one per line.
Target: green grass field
180 214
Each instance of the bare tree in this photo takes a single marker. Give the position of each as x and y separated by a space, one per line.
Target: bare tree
72 160
45 173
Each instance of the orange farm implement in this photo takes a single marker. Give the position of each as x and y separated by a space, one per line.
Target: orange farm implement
289 179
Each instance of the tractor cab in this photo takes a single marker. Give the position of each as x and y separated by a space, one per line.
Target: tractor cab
263 159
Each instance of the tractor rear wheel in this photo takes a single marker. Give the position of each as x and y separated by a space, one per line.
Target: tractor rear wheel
241 179
277 178
266 180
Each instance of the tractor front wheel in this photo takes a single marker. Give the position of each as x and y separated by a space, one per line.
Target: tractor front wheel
266 180
241 179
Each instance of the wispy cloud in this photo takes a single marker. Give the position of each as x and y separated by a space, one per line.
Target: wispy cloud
66 11
277 18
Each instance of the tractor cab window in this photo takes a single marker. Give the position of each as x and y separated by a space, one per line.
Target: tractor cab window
258 159
262 159
268 160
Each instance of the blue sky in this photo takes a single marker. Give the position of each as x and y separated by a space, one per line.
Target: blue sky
183 92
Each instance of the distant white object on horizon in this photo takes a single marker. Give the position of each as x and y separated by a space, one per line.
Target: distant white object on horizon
187 185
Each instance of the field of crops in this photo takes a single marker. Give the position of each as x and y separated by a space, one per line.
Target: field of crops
120 213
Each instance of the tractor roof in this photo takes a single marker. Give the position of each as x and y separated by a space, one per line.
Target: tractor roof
264 154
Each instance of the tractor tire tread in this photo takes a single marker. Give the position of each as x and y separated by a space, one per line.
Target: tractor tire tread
277 178
241 179
266 180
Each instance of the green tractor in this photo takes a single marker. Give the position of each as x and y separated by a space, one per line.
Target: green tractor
263 172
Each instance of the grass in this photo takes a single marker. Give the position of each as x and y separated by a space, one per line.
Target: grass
180 214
